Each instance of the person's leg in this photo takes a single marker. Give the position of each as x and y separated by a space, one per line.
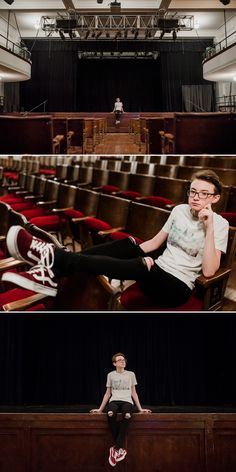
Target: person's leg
125 248
112 411
126 410
66 263
164 289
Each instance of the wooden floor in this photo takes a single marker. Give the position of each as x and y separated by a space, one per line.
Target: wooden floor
118 143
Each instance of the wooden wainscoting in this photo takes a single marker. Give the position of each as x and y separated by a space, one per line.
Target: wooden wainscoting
79 442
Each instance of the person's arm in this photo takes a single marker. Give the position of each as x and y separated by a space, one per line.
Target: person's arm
211 255
155 242
134 395
104 402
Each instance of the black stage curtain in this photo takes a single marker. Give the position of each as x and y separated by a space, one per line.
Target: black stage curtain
64 359
91 85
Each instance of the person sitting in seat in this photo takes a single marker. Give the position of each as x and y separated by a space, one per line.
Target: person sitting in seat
195 237
118 110
120 396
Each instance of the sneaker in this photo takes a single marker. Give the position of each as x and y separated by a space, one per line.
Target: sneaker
120 455
39 279
25 247
112 456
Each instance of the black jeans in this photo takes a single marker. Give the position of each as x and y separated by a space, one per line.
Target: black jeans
124 260
119 427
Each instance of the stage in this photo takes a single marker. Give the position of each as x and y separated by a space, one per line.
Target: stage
35 440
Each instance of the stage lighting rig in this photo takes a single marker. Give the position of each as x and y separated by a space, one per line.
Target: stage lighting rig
225 2
9 2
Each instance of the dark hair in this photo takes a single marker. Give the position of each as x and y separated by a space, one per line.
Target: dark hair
116 355
209 176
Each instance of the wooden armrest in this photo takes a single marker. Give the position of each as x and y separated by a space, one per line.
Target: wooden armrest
82 218
58 138
21 192
208 281
10 263
48 202
24 302
60 210
33 197
70 134
2 238
108 287
169 136
169 206
110 231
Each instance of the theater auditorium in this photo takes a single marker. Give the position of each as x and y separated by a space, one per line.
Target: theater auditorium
108 110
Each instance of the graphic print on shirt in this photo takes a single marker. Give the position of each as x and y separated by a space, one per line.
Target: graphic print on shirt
121 384
185 239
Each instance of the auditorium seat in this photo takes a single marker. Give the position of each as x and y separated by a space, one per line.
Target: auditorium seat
207 296
139 185
167 192
112 213
143 222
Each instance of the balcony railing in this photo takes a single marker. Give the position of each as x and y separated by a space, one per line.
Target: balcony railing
18 49
212 51
226 103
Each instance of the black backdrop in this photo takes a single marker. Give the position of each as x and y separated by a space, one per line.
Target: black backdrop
63 359
71 84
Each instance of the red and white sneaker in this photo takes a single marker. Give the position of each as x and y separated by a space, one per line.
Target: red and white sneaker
112 456
39 279
24 246
120 455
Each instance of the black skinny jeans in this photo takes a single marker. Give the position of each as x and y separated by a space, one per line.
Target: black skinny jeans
124 260
119 427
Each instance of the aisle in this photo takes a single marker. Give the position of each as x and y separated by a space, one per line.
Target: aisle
117 143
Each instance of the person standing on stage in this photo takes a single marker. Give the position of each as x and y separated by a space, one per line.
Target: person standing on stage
118 110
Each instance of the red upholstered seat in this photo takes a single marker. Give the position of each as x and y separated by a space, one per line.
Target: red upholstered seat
130 194
160 202
133 298
230 217
2 254
13 295
33 212
121 235
71 213
47 171
49 222
95 224
11 199
22 206
109 189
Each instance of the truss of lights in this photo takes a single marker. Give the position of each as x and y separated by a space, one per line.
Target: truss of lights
118 55
122 26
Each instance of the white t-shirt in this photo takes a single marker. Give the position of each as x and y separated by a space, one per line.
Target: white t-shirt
120 384
185 243
118 106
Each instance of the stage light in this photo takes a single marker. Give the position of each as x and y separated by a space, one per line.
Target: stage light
162 34
9 2
225 2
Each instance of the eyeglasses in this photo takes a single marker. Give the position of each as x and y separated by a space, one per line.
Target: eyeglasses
201 195
120 360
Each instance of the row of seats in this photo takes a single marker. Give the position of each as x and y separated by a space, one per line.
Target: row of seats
211 291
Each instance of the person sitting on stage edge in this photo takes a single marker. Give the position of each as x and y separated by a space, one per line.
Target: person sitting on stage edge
195 236
118 110
120 395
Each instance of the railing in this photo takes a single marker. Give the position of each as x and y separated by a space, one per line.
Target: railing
212 51
226 103
15 48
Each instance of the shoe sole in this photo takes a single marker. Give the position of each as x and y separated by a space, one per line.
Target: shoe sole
12 244
28 284
113 465
121 459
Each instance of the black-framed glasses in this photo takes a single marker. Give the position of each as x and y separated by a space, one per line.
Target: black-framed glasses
201 195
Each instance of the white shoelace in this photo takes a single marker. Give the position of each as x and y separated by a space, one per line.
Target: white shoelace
43 274
45 251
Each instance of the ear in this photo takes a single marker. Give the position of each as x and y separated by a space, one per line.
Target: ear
114 363
215 198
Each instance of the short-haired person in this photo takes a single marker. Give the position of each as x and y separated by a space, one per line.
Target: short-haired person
119 397
118 109
195 237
